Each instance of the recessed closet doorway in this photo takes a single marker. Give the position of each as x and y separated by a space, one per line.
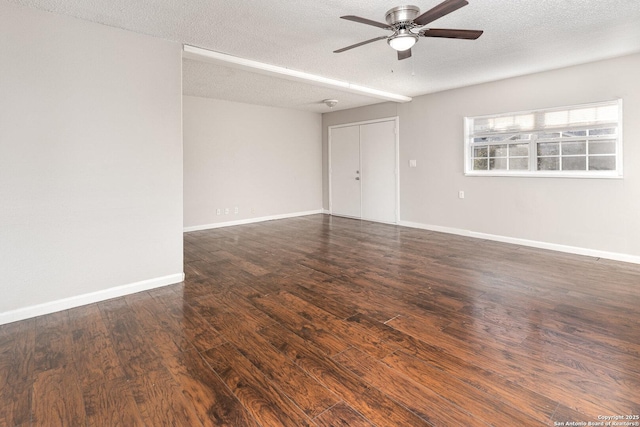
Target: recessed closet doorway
363 170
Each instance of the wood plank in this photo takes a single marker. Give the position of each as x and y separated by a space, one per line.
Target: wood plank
57 399
214 404
160 400
304 288
370 402
565 416
322 338
265 402
561 384
422 400
249 266
194 328
480 405
302 389
350 333
341 415
345 289
53 342
95 360
157 395
163 333
17 350
212 308
568 368
136 357
111 403
481 377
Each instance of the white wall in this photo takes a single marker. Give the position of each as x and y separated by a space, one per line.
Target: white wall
600 216
266 161
90 162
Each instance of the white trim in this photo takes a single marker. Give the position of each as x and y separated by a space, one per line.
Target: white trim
249 221
365 122
396 131
326 211
616 256
200 54
550 174
90 298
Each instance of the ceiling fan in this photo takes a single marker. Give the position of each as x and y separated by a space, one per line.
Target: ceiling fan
407 26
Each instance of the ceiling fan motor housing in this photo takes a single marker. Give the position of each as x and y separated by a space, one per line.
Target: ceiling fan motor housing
402 14
408 26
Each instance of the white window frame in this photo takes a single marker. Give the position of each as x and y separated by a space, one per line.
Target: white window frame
535 139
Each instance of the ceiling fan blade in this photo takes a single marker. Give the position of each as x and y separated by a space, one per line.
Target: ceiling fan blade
451 34
359 44
404 54
365 21
444 8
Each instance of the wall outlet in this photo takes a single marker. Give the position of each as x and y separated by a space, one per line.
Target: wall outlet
226 211
413 163
236 210
218 211
461 194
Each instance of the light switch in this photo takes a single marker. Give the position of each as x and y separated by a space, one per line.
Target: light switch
412 163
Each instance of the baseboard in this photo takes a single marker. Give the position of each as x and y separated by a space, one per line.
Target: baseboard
90 298
250 221
326 211
524 242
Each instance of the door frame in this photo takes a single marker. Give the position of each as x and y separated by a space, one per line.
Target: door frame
396 121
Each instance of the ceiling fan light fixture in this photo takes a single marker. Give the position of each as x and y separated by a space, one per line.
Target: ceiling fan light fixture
404 40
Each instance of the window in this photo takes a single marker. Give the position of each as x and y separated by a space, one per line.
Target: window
577 141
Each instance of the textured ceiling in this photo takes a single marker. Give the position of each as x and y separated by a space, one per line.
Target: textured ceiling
520 37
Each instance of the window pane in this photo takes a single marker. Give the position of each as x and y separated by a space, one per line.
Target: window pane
607 131
604 147
572 133
480 164
574 163
519 164
573 148
498 151
584 115
548 163
480 151
519 150
480 125
525 121
549 135
548 149
498 138
504 123
602 163
498 164
556 118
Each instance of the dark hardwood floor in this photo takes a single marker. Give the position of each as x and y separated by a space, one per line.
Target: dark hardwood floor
327 321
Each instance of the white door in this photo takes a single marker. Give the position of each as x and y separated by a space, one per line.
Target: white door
363 171
345 171
378 170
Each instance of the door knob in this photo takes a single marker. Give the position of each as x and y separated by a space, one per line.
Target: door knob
357 178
